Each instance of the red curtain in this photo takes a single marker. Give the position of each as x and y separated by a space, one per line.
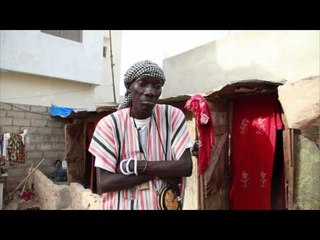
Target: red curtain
255 121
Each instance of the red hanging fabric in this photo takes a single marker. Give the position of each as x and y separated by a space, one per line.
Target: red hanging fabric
255 121
201 110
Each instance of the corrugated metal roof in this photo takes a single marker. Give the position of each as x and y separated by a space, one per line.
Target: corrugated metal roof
244 87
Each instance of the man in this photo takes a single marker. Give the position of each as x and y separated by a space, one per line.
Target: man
143 146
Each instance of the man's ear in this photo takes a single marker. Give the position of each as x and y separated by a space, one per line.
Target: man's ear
127 93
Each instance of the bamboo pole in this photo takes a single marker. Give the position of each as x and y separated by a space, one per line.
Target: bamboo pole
26 178
26 182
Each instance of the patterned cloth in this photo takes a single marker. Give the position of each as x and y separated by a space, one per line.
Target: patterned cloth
120 126
16 149
256 120
142 68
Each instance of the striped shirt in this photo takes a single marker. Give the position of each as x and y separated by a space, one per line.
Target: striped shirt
118 127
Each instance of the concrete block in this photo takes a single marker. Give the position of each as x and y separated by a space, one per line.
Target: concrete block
45 131
34 154
5 106
43 146
3 113
40 109
21 107
21 122
38 123
15 114
6 121
33 115
9 129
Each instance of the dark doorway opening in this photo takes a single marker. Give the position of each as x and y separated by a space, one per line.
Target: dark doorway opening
89 180
278 176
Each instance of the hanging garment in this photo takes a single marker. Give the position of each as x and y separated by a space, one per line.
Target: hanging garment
2 158
16 149
6 137
200 108
255 121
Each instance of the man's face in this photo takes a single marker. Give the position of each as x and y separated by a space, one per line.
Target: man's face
145 92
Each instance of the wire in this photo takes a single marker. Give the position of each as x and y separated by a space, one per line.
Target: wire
112 69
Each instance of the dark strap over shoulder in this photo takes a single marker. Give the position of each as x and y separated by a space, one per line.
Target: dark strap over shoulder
167 128
118 136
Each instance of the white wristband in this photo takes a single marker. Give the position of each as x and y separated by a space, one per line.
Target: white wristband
126 170
135 169
121 167
135 166
128 166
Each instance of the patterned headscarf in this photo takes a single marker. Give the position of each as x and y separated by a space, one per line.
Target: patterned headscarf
142 68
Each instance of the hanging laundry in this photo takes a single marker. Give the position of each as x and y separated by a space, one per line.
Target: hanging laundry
16 149
6 137
255 122
2 158
201 110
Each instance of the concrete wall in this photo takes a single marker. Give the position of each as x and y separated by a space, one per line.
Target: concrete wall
302 95
49 195
35 90
45 138
35 52
307 177
83 198
264 55
44 69
104 92
62 197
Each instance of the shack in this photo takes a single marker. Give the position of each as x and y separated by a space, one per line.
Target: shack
78 133
295 166
295 171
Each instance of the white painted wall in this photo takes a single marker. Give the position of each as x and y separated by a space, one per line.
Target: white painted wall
76 75
265 55
157 45
103 91
42 54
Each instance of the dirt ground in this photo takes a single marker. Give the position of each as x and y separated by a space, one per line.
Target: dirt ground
18 203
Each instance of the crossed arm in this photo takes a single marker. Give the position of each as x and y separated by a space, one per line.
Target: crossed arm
170 171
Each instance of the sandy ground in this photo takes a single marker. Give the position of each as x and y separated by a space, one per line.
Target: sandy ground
21 204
